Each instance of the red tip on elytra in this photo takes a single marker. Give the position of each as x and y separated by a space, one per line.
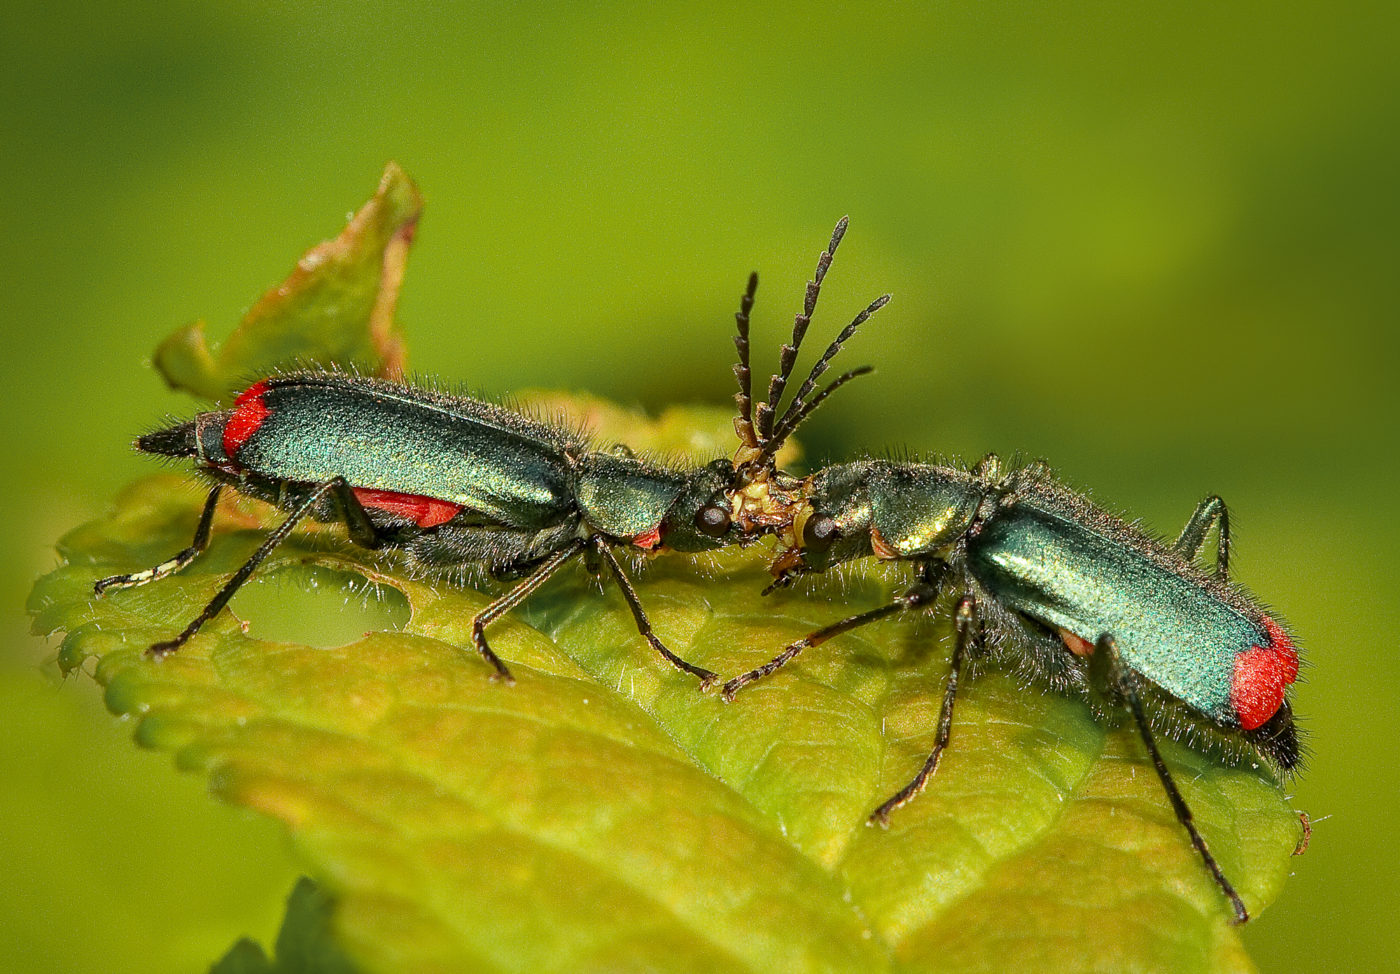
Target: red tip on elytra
1262 676
249 411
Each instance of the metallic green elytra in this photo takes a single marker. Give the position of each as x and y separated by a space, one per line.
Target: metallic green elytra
1077 571
378 435
458 486
1046 585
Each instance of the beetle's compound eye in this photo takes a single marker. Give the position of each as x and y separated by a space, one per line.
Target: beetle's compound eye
819 533
712 521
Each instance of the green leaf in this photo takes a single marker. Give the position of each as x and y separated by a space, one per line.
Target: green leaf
603 814
336 308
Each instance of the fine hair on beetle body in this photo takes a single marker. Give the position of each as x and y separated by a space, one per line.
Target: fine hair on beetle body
460 486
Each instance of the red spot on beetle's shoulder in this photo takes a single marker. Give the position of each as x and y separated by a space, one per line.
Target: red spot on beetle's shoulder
426 512
249 411
648 540
1262 676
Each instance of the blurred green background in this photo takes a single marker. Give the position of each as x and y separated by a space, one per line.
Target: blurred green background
1155 246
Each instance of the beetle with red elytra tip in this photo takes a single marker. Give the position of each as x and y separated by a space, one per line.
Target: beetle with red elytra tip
461 487
1044 584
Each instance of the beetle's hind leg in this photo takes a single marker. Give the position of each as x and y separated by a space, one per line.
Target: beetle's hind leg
1125 682
356 520
167 568
1209 513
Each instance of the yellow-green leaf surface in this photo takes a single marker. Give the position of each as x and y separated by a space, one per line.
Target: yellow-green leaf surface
335 308
602 814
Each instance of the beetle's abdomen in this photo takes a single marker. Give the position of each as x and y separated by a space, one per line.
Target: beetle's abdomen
401 444
1198 642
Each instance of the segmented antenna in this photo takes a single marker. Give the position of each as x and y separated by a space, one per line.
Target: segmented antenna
793 421
798 401
799 409
743 423
788 354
